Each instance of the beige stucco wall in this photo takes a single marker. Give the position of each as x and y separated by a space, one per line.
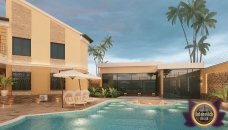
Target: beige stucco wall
205 72
40 80
29 22
73 84
40 47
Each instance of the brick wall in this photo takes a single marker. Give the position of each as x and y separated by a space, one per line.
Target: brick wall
57 33
214 77
3 42
217 80
21 21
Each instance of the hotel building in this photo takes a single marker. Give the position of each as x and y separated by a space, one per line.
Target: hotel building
34 45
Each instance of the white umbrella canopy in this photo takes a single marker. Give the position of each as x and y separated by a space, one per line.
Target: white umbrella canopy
68 74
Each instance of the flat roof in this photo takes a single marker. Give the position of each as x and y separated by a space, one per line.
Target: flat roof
159 65
132 64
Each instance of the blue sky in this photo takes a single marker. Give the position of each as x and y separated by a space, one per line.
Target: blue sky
139 28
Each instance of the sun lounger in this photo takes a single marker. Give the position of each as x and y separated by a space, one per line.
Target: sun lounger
85 96
79 100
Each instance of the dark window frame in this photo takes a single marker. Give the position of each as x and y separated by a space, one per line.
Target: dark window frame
22 86
58 54
22 45
57 85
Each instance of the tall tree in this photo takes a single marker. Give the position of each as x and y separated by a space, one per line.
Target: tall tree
98 51
195 16
173 14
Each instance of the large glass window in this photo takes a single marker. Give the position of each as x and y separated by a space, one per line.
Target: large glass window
21 46
132 83
22 81
57 51
182 83
57 82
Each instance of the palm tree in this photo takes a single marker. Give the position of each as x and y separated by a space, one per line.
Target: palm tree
98 51
203 47
195 15
173 14
203 22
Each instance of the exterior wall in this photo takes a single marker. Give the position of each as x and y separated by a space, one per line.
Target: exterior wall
40 80
137 69
40 40
213 77
29 22
3 42
21 21
73 84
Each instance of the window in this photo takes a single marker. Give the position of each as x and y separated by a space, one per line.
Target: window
21 46
56 83
22 81
57 51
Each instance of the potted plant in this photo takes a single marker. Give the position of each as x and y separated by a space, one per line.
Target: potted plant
223 95
4 82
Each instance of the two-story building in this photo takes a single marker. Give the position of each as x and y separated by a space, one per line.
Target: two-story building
34 45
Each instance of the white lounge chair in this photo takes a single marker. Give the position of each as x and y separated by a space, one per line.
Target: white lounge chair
69 101
79 101
85 96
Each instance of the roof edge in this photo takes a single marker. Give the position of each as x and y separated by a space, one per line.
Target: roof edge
4 19
87 38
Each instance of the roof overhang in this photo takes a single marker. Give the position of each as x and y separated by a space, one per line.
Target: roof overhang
133 64
87 38
4 21
181 66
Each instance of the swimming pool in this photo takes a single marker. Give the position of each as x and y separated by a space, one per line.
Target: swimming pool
112 115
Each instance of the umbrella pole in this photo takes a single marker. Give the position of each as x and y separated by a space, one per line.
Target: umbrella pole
79 84
61 83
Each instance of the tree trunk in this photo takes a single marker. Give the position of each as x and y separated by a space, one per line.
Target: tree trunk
200 57
189 51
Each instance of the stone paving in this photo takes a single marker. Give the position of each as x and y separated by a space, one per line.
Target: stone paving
8 112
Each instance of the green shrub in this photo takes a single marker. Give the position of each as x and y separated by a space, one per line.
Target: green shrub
221 93
113 92
104 92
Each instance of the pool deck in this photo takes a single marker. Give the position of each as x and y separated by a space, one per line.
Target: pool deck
11 112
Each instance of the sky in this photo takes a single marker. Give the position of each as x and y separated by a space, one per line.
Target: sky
139 28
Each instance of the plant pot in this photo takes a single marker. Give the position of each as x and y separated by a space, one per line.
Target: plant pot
4 92
225 105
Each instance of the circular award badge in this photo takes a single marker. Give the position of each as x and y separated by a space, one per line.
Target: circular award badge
204 114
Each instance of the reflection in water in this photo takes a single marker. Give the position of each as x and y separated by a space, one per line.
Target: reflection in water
172 110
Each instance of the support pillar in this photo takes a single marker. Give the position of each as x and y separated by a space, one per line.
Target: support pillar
161 83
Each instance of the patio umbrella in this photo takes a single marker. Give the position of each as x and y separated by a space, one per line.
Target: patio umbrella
69 74
74 74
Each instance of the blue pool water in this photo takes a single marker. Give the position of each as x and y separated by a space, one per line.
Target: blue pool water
113 115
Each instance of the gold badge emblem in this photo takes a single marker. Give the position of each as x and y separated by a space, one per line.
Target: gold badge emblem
204 114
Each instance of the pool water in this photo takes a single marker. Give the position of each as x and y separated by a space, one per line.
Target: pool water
113 115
